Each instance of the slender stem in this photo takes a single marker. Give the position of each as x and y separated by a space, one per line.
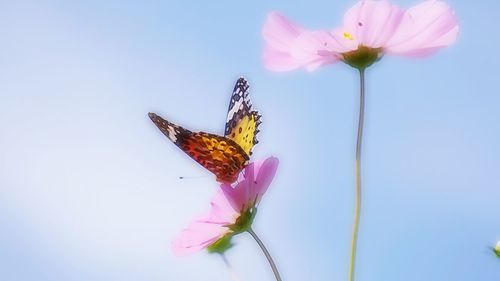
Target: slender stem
230 268
359 141
266 253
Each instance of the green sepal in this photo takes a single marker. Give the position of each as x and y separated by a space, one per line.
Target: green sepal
221 246
244 222
496 251
363 57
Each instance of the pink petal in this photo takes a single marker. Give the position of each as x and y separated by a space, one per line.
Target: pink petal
289 46
265 174
197 236
222 209
279 34
247 192
425 28
279 61
239 195
372 23
314 65
316 48
340 42
236 196
206 229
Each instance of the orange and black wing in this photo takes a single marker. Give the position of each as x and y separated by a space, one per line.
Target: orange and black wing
242 122
218 154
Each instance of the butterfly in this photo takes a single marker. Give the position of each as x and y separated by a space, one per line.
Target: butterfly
224 156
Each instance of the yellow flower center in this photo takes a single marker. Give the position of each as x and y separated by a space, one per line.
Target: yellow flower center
348 35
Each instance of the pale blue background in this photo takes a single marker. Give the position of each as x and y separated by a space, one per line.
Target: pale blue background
89 188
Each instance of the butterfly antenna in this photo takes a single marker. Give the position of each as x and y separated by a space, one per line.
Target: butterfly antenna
191 177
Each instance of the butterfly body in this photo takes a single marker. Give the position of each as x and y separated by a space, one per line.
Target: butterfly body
224 156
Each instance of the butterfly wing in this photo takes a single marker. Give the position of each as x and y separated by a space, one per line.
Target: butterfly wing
218 154
242 122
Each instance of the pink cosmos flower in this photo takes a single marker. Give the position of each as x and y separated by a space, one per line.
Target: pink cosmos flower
370 29
232 211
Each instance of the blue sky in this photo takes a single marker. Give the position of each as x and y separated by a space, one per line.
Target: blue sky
89 188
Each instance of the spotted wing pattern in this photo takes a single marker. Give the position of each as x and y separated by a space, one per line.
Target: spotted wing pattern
242 122
220 155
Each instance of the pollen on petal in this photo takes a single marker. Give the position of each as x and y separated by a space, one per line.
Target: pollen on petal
348 35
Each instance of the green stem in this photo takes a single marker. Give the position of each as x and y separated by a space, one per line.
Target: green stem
357 210
266 253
